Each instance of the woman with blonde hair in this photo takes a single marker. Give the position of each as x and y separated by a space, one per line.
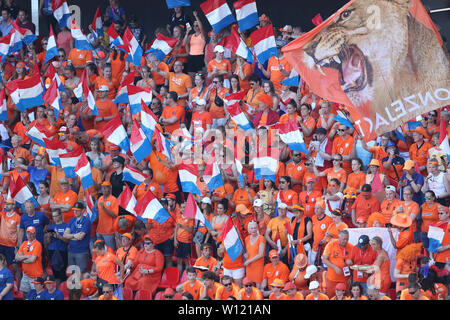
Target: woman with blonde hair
255 245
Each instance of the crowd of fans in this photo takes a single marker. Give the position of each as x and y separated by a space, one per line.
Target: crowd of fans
342 183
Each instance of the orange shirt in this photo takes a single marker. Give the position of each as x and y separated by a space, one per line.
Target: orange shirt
105 221
429 216
223 65
113 85
333 229
70 197
79 58
105 108
444 255
276 224
223 294
216 111
211 292
287 117
21 131
182 234
270 273
308 201
356 180
170 112
275 74
364 208
180 84
21 152
34 269
106 267
412 208
341 175
193 289
255 295
322 296
117 65
337 256
209 263
201 119
296 172
420 155
56 175
161 232
289 197
272 296
319 229
343 147
309 123
240 196
247 69
132 253
298 296
8 229
252 100
379 154
387 208
160 80
142 188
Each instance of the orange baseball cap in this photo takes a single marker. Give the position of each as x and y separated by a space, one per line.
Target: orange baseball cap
409 164
309 179
31 229
277 283
374 162
420 130
273 253
289 286
246 280
266 99
106 184
242 209
171 196
128 235
341 286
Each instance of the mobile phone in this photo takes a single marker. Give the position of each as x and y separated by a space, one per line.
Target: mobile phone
188 25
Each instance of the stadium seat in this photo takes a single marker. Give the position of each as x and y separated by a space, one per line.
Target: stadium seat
64 290
183 277
17 294
159 295
127 293
143 295
392 294
170 278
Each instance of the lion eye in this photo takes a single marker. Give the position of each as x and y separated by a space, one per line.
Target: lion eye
346 14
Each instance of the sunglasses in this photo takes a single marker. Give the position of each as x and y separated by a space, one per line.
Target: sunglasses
148 243
248 285
412 293
297 155
227 284
332 185
308 164
428 198
252 83
107 291
215 81
168 297
407 194
442 212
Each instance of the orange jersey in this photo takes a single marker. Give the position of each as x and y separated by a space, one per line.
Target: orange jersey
34 269
193 289
106 267
105 221
337 256
70 197
180 84
8 229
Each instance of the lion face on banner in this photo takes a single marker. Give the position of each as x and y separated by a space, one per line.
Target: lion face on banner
373 44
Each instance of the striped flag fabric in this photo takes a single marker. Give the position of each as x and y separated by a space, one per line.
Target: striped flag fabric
133 175
240 174
140 146
246 14
162 46
342 118
26 93
435 235
114 132
443 139
20 192
23 34
134 48
83 90
5 44
54 148
70 160
122 93
127 200
291 135
84 171
97 23
239 117
150 208
148 121
235 44
52 49
265 167
292 80
188 174
191 210
231 241
136 95
3 106
218 14
115 40
91 210
163 145
52 75
38 133
53 98
264 43
61 12
233 98
81 41
212 175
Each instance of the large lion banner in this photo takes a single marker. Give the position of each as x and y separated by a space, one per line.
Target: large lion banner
383 59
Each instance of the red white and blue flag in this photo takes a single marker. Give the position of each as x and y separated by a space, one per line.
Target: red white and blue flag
191 210
26 93
235 44
82 90
212 175
218 14
38 133
52 49
140 146
134 48
291 135
443 139
61 13
188 174
150 208
122 93
148 121
163 145
265 166
84 171
54 148
133 175
162 46
97 24
239 171
20 192
231 241
52 75
239 117
81 41
70 160
246 14
91 210
53 98
23 34
115 40
114 132
136 95
264 43
3 106
127 200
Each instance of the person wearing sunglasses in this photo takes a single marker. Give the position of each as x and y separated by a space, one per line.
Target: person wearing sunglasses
345 145
249 291
438 182
214 101
252 97
108 293
335 172
415 293
227 289
374 294
430 215
442 253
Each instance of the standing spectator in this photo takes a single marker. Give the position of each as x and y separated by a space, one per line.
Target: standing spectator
418 151
116 13
381 273
195 45
335 258
137 30
79 59
252 97
278 227
406 264
30 255
51 292
344 144
390 203
219 66
320 223
57 246
442 254
64 200
5 24
6 280
46 13
107 109
337 225
362 254
23 22
437 182
214 101
278 68
183 238
412 179
34 218
78 233
117 183
406 236
178 18
366 203
105 264
173 113
429 215
108 209
254 257
9 230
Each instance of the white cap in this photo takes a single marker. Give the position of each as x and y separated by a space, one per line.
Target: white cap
310 270
313 285
258 203
282 206
206 200
219 48
390 188
103 88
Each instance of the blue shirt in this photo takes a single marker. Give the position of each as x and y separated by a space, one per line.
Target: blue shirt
32 295
57 244
6 277
38 175
75 226
39 220
56 295
5 28
418 197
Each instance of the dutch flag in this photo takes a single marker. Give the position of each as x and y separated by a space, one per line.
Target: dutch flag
140 145
83 90
122 93
264 43
54 148
293 80
231 241
163 145
91 210
192 211
150 208
20 192
246 14
61 13
435 235
188 177
136 95
52 48
133 175
342 118
291 135
212 175
38 133
235 44
81 42
5 44
218 14
69 161
240 174
162 46
116 40
114 132
52 75
84 171
97 24
233 98
52 98
265 167
3 106
134 48
127 200
239 117
23 34
26 93
148 121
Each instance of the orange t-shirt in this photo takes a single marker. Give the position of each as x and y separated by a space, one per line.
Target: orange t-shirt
105 221
106 267
333 229
180 84
322 296
201 119
429 216
208 263
308 201
444 256
193 289
79 58
56 175
356 180
182 234
387 208
160 80
142 188
70 197
240 196
255 295
34 269
211 292
113 85
296 172
343 147
337 256
276 224
170 112
8 229
270 273
252 100
319 229
364 208
298 296
247 69
275 74
272 296
223 65
105 108
223 294
420 155
216 111
132 253
341 175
